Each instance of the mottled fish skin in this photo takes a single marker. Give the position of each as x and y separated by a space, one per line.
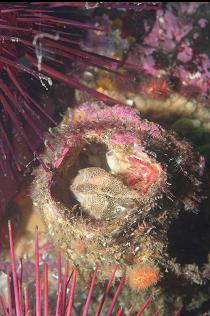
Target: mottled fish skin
100 193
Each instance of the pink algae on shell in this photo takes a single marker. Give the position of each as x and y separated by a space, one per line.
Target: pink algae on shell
113 188
123 139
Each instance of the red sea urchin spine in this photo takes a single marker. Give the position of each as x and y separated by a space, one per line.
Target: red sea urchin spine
36 43
105 293
27 33
64 305
116 296
20 24
148 301
86 308
9 294
71 296
38 282
45 289
14 274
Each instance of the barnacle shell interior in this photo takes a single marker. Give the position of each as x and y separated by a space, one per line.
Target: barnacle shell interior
112 187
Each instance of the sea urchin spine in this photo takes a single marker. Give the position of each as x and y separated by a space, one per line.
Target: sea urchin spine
65 301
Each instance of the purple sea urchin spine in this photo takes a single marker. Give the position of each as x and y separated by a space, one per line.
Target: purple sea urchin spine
29 35
36 43
20 308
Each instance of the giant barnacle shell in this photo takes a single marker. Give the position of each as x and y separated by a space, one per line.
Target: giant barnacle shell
115 184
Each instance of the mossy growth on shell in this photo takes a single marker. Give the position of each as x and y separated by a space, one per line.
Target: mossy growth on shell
116 182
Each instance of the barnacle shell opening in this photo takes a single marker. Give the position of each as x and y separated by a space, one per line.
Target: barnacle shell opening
107 176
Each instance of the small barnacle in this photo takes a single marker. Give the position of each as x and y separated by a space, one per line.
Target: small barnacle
113 186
